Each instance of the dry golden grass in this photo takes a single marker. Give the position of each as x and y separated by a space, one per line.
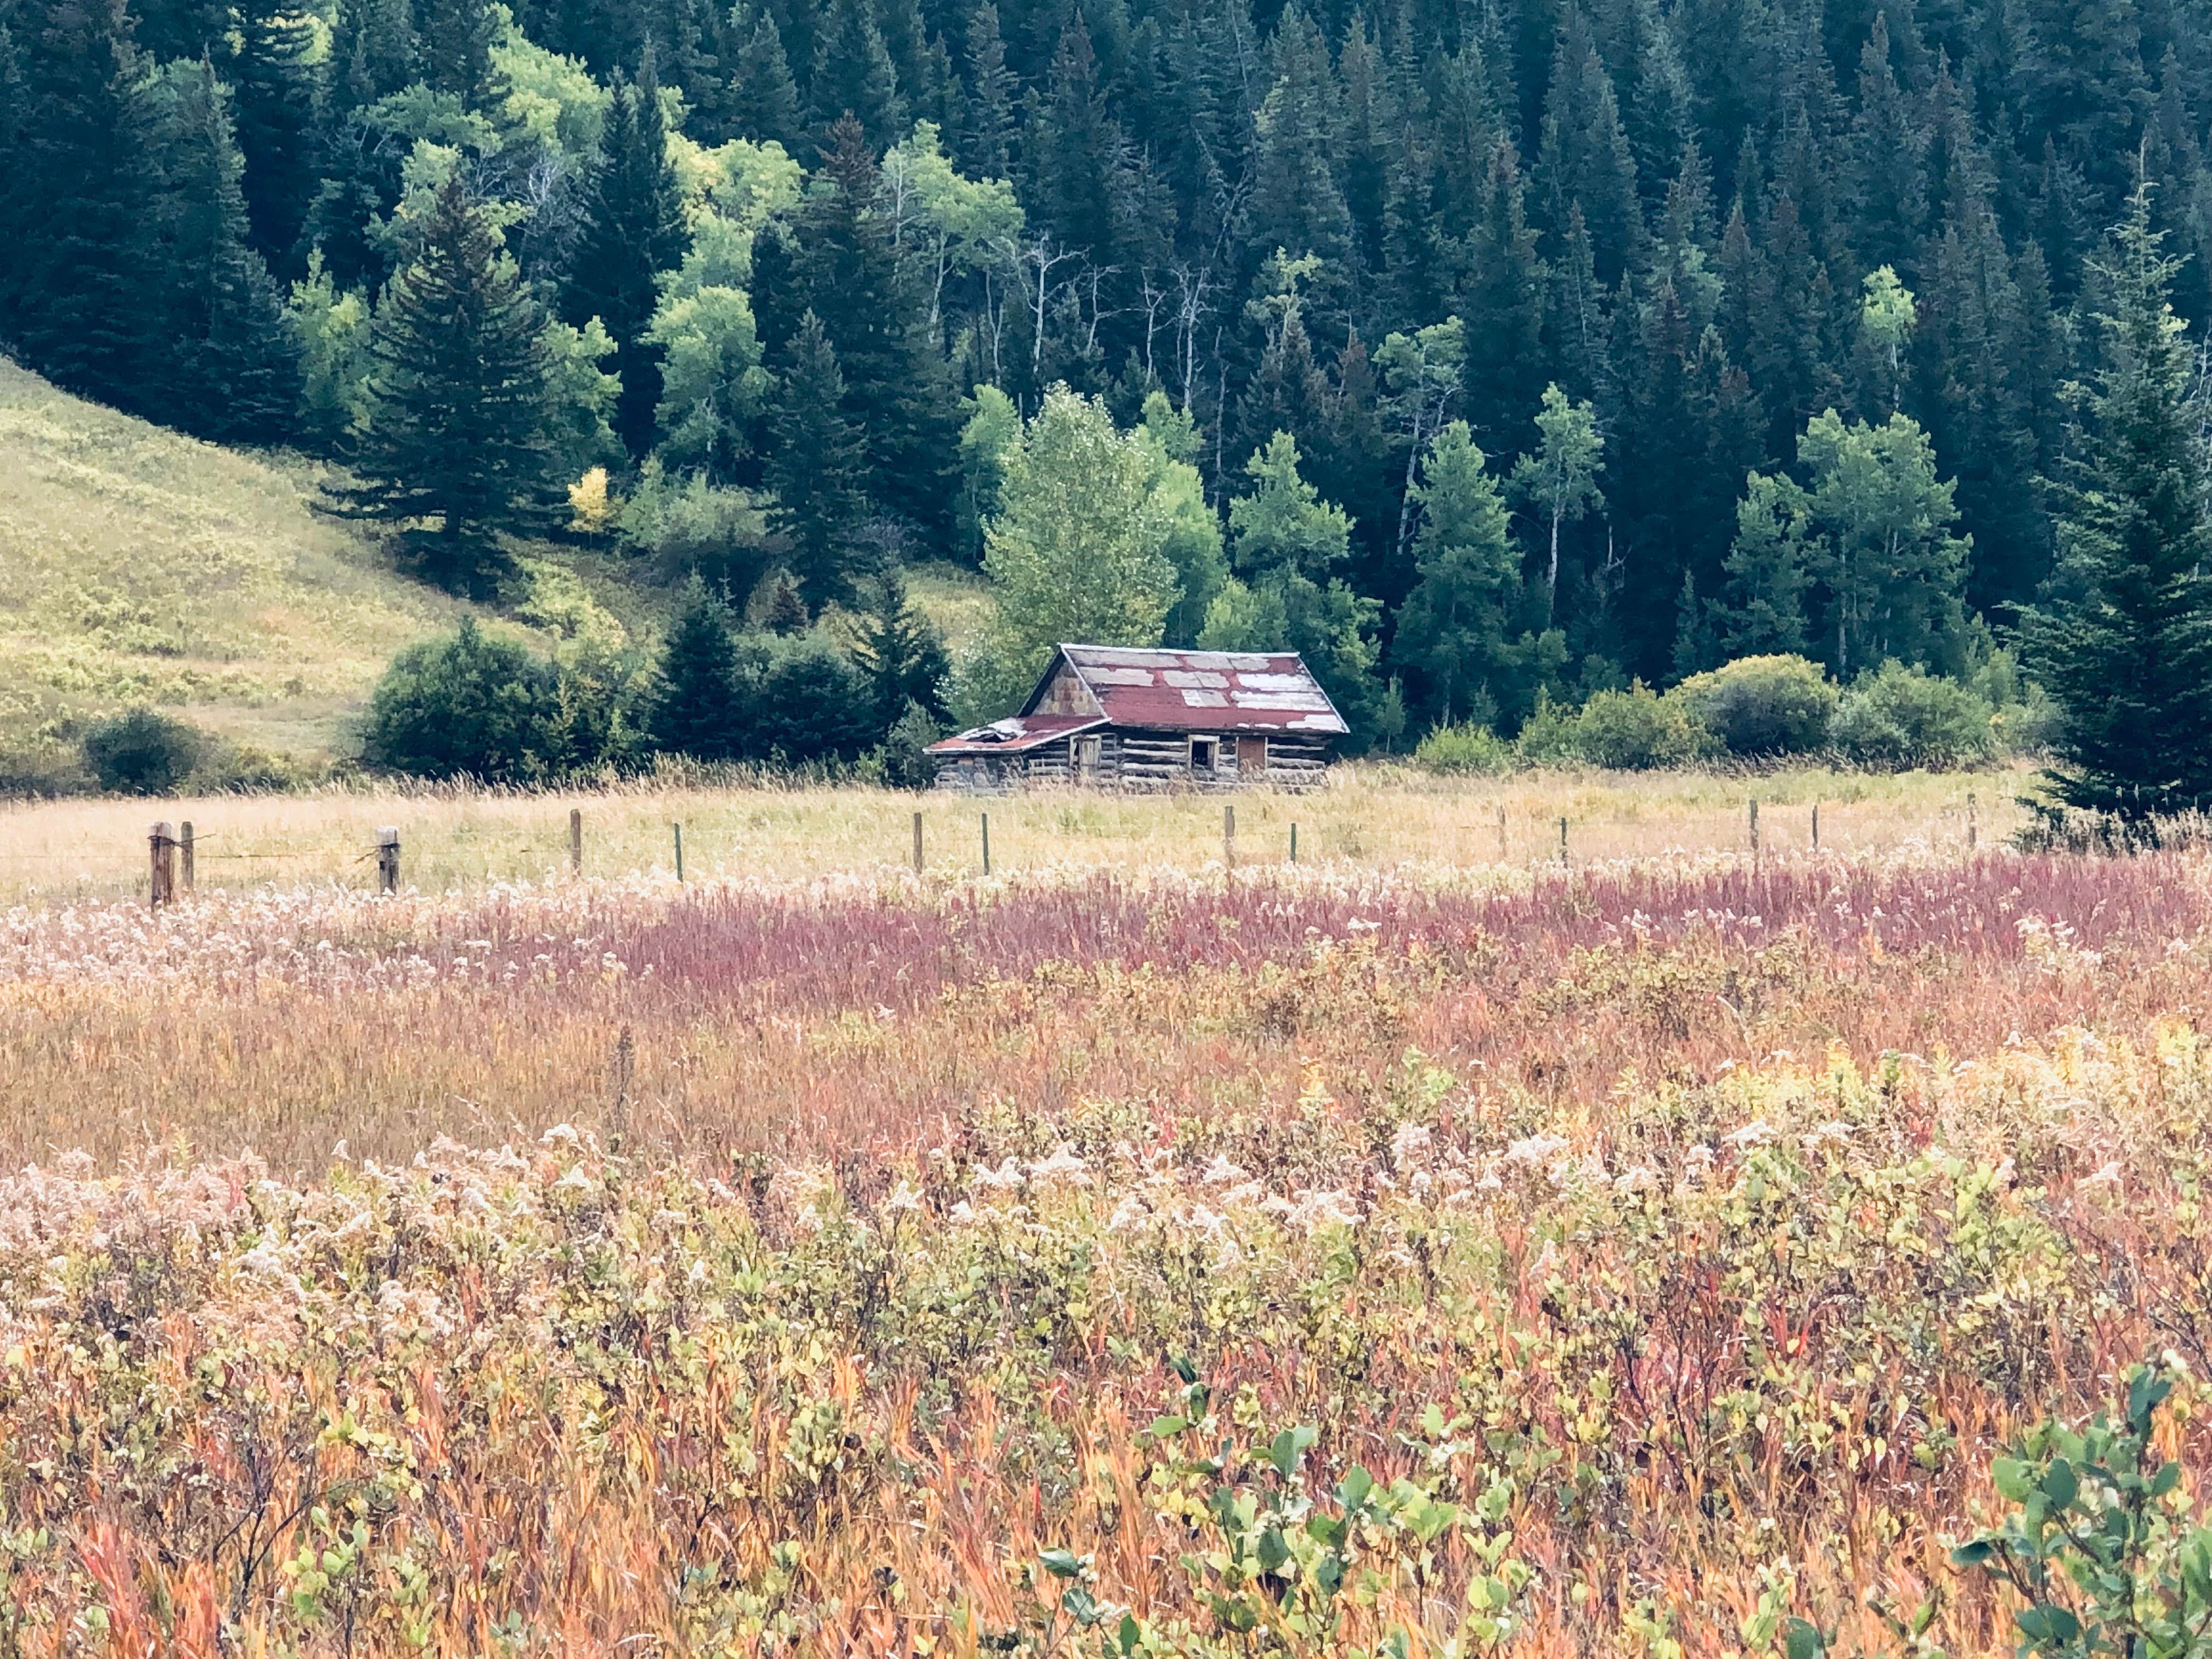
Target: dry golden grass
140 565
1370 816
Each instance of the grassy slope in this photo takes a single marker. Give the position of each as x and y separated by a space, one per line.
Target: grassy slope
139 565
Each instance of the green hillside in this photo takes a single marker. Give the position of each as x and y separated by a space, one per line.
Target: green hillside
137 565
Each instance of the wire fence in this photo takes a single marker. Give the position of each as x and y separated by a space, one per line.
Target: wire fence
176 855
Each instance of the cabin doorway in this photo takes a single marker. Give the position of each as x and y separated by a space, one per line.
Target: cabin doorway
1252 759
1086 760
1205 755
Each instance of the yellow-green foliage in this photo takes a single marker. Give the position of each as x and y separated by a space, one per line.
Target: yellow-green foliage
137 565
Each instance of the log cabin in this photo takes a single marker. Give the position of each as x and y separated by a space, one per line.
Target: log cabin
1121 717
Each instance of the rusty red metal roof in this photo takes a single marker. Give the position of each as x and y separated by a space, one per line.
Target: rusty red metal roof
1198 690
1012 737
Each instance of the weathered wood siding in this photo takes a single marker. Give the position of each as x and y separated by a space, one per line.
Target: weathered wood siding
1142 760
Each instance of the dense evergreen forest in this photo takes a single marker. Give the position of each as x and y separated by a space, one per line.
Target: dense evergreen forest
1487 350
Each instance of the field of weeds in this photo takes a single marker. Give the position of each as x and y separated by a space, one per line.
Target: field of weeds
1656 1256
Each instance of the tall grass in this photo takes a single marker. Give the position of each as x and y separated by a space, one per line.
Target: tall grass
1371 818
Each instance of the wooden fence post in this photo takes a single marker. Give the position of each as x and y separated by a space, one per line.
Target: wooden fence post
387 858
1754 835
917 843
161 844
1973 828
1563 840
1294 840
1229 837
1501 832
1816 826
185 847
576 841
986 817
676 830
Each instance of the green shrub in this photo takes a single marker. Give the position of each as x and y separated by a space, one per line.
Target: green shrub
1462 749
901 760
471 705
2101 1545
142 753
1637 730
1547 736
1762 705
1899 719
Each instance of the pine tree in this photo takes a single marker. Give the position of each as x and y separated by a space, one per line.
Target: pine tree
1505 371
897 393
899 649
456 38
816 468
854 77
763 98
1295 204
1585 160
455 432
699 706
73 291
1765 610
1889 139
1073 150
987 131
633 232
232 366
1462 627
2127 651
274 77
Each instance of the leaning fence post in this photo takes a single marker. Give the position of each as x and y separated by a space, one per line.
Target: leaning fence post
917 843
576 841
185 847
387 858
162 846
986 817
1229 836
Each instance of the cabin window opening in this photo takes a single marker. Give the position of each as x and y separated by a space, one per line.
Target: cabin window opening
1203 754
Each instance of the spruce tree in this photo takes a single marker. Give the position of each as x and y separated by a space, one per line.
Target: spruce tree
1296 203
898 648
633 232
231 367
455 447
699 703
274 76
986 132
763 98
457 37
816 467
898 393
2125 644
75 270
854 77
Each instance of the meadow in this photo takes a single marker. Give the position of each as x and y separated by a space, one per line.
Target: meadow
1404 1251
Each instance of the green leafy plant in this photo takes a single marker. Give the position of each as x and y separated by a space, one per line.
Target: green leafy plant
2104 1547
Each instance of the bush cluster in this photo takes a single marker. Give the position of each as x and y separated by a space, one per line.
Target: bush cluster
858 694
142 752
1892 719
